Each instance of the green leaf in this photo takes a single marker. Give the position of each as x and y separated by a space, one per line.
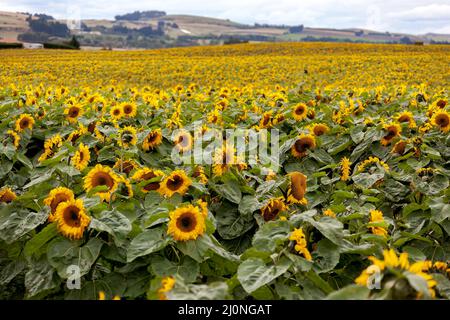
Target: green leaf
440 210
271 235
326 257
40 278
147 242
351 292
188 268
19 222
229 190
63 253
22 158
40 239
254 273
112 222
248 205
231 224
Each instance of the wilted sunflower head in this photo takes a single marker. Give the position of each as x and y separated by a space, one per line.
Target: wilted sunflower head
127 136
153 139
183 141
271 210
7 195
400 147
176 182
125 166
152 176
393 130
441 119
56 197
186 223
300 111
297 188
101 176
71 219
303 143
24 122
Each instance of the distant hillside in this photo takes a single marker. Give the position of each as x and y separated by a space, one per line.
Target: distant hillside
154 29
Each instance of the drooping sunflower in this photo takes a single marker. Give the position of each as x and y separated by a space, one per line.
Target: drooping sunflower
71 219
266 120
25 121
101 176
73 112
199 172
152 176
400 147
15 138
116 112
301 245
51 146
153 139
297 188
81 158
319 129
183 141
176 182
406 116
167 284
370 161
129 109
303 143
76 134
125 188
127 136
7 195
186 223
271 210
441 120
126 166
329 213
377 216
300 111
393 130
345 168
55 197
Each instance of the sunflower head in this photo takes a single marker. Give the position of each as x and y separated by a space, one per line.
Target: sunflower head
297 188
56 197
15 138
183 141
24 122
71 219
186 223
101 176
176 182
151 177
400 147
127 136
271 210
81 158
153 139
73 112
319 129
441 120
129 109
116 112
125 166
266 120
7 195
392 130
300 111
303 143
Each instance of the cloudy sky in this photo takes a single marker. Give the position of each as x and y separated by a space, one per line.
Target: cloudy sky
410 16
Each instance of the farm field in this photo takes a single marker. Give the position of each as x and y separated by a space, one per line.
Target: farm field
103 195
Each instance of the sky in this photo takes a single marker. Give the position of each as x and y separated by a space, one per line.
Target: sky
408 16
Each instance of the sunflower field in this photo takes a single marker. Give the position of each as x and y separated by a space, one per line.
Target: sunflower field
92 205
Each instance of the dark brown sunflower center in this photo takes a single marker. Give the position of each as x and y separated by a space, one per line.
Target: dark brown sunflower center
127 137
175 183
7 197
404 118
298 187
73 112
186 222
72 216
116 112
152 185
151 137
183 141
128 109
102 179
266 120
302 145
24 123
442 120
318 131
299 110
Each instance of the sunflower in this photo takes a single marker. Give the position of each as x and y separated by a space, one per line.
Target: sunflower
51 147
273 208
183 141
300 111
153 176
301 245
125 166
104 124
153 139
266 120
127 136
407 116
76 134
73 112
116 112
186 223
7 195
303 143
329 213
441 119
223 159
129 109
167 284
203 205
319 129
377 216
71 219
24 122
101 176
199 172
297 188
176 182
55 197
393 130
345 168
370 161
81 158
15 137
125 188
400 147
